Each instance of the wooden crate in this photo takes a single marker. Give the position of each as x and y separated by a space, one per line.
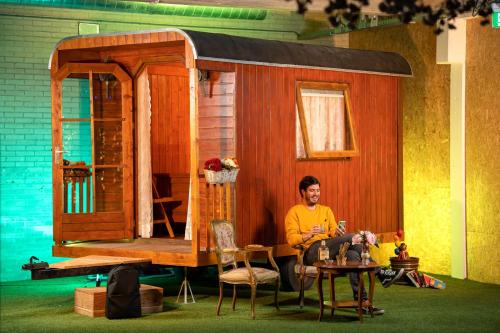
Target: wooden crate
92 301
151 299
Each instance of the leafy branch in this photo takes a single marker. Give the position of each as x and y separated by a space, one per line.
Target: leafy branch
348 12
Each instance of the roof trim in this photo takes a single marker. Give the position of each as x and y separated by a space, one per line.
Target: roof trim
300 66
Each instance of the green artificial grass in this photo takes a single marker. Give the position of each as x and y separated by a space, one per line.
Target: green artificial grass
47 306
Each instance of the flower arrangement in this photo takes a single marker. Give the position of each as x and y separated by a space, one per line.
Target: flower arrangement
365 238
219 171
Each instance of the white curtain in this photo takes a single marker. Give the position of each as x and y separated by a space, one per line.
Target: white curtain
187 233
324 113
145 194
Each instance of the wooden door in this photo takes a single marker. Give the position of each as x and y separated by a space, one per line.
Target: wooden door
92 152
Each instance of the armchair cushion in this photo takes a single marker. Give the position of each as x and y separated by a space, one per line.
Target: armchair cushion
240 275
311 271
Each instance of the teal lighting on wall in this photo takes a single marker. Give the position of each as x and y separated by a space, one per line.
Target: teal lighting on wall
150 8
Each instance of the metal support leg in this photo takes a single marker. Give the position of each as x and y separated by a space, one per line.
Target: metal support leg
185 286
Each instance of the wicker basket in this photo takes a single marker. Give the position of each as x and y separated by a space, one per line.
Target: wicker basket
220 177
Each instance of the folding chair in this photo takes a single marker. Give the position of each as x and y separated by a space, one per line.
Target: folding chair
162 201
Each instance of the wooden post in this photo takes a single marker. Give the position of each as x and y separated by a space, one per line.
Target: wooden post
207 215
220 201
65 201
228 201
80 194
73 195
87 185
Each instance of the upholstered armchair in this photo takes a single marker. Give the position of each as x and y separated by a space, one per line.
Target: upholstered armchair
229 272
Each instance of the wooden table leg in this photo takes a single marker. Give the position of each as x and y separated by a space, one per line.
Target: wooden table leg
331 277
371 275
361 287
320 293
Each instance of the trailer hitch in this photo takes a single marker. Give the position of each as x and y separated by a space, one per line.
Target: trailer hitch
35 265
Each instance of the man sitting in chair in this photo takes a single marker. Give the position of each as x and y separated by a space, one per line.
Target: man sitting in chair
308 223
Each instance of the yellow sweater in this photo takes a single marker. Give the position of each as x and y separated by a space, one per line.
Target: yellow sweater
300 220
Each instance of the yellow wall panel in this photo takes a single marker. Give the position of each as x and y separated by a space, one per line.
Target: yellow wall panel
482 152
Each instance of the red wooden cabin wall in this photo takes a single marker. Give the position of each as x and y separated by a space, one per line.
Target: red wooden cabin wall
362 190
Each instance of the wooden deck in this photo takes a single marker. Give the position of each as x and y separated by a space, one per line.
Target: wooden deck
161 251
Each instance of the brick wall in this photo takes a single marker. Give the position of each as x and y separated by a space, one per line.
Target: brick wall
27 37
25 134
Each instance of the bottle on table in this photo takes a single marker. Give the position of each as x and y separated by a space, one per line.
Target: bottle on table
323 251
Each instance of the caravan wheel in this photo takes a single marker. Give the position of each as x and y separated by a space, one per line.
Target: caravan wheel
289 280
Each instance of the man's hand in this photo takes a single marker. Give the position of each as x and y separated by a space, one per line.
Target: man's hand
316 229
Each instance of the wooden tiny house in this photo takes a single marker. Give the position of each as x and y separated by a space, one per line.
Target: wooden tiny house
139 109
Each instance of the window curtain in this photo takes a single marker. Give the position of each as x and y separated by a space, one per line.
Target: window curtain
145 194
187 232
324 112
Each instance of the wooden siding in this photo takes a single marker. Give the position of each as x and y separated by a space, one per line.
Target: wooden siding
362 190
216 116
216 135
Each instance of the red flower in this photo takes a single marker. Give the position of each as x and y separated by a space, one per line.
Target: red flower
213 164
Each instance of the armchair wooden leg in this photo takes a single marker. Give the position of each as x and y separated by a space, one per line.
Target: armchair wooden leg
301 292
276 303
252 299
234 297
221 294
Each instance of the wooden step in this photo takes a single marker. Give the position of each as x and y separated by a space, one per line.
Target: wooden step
94 260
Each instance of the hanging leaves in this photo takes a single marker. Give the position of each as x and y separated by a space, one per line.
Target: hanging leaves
348 12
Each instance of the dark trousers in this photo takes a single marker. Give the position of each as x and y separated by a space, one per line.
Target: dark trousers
333 244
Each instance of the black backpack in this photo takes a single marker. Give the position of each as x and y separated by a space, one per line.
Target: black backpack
123 297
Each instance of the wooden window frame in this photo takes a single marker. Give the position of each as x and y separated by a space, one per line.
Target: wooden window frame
311 154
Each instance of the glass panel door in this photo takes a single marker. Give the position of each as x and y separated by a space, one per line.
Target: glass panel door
92 166
107 143
92 141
